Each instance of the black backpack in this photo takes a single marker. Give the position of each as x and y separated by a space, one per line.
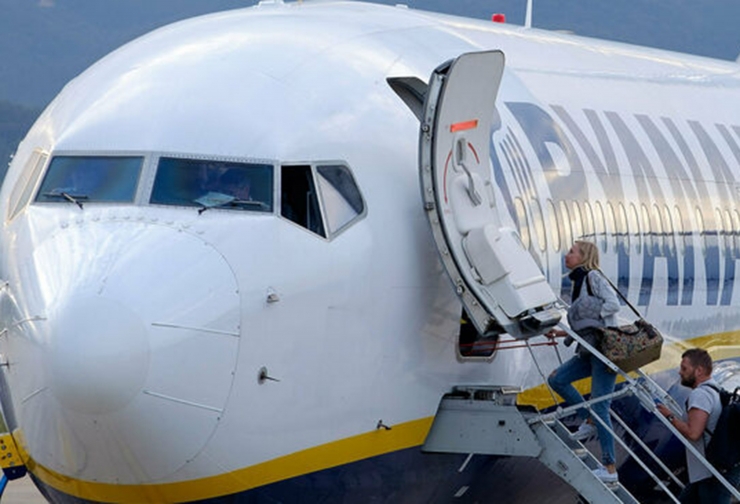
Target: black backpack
723 449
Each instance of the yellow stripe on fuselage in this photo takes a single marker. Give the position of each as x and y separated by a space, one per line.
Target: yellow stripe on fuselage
318 458
337 453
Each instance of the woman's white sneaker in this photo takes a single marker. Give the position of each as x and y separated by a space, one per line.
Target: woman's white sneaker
605 476
585 431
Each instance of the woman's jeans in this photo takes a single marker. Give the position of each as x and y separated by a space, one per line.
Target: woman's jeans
602 383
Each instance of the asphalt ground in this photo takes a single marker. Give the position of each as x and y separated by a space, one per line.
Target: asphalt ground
22 491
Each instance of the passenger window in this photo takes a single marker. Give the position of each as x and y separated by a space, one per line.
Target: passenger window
721 230
624 230
554 229
588 222
728 229
702 230
299 202
678 225
647 228
213 184
611 219
26 183
600 225
577 222
634 224
669 232
521 215
340 196
90 178
539 225
659 228
567 231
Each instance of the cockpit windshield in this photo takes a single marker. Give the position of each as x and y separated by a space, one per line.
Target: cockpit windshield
209 184
82 179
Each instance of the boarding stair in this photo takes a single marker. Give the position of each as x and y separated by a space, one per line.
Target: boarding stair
503 290
486 420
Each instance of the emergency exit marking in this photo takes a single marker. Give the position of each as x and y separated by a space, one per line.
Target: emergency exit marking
465 125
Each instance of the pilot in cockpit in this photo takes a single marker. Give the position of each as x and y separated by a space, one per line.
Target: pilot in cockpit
227 187
236 182
82 181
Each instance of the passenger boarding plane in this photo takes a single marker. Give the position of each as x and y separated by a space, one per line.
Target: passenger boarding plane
235 252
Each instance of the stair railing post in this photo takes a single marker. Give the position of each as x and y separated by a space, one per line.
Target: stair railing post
635 457
652 455
642 393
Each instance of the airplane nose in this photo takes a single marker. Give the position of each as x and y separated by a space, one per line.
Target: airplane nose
99 357
122 371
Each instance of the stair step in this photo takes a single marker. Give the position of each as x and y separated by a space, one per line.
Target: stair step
467 423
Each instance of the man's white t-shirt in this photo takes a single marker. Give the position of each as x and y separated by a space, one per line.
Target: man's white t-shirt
706 399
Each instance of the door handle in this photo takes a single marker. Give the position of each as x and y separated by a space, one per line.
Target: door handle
460 156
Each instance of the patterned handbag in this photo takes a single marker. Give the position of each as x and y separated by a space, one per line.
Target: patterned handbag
631 346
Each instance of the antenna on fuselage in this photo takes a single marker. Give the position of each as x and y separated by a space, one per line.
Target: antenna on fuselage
528 15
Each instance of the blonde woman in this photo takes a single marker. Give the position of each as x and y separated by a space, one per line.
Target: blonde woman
594 304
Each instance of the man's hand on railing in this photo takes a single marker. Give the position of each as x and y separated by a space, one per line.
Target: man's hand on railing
663 410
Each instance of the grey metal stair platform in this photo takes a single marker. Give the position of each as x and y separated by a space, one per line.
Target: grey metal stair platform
486 420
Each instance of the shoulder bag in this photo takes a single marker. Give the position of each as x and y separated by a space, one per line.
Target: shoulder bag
631 346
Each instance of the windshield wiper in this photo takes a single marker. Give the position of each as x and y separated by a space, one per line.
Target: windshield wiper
221 200
72 199
248 203
261 205
212 199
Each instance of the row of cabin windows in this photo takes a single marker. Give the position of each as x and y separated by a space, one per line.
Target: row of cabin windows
322 198
636 226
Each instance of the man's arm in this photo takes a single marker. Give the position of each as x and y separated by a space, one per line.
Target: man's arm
691 429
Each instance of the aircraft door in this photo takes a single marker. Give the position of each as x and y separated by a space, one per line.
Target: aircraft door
497 280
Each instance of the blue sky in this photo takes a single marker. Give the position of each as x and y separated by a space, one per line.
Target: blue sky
45 43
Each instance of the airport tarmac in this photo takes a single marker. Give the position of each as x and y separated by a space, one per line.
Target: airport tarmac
22 491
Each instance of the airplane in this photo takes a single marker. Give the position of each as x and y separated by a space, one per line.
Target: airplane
167 338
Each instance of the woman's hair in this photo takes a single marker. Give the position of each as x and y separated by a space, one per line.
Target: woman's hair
590 253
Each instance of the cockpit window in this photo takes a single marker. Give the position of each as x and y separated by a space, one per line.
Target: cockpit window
299 202
26 184
213 184
324 199
340 195
83 179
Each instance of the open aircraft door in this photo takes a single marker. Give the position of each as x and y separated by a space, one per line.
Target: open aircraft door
498 281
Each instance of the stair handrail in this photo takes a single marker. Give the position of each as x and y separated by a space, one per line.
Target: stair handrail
637 459
650 452
561 412
645 396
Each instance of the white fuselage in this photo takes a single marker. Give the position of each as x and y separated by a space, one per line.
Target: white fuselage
136 333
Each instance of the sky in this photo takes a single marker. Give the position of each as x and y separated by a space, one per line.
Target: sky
45 43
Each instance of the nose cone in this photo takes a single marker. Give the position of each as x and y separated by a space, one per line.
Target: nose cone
123 372
99 357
